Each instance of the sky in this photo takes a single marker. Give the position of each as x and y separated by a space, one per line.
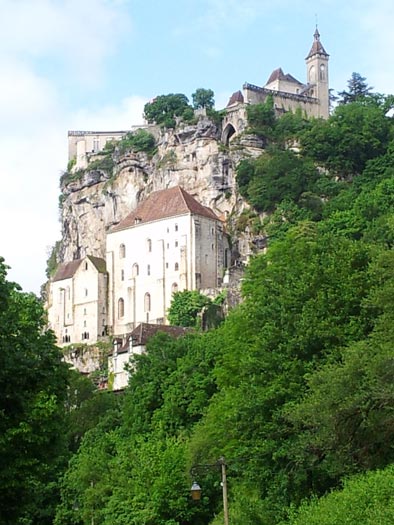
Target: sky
93 64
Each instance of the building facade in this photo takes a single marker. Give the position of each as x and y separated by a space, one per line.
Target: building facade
169 243
77 302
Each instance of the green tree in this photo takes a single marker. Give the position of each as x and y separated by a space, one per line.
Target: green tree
164 108
185 307
141 140
365 499
203 98
33 381
358 89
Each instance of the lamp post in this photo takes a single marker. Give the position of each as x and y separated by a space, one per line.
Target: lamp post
196 491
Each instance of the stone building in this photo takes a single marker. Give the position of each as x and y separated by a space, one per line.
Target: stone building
134 344
288 93
77 302
169 243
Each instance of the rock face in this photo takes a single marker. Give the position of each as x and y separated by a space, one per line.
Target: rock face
191 156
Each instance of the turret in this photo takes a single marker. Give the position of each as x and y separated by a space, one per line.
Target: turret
317 74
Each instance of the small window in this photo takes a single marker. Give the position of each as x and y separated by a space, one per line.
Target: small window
86 265
176 267
84 311
212 247
122 275
135 270
148 269
176 227
176 244
86 292
84 324
174 287
149 245
147 304
120 308
166 265
103 309
122 251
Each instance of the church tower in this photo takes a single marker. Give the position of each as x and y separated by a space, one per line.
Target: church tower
317 75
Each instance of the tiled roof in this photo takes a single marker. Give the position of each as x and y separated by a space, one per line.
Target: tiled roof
278 74
236 98
144 331
317 47
164 204
67 270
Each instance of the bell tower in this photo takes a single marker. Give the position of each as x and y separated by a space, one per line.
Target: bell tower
317 75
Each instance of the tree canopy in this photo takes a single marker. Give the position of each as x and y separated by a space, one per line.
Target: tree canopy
164 108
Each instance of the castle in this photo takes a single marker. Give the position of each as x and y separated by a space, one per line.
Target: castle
288 93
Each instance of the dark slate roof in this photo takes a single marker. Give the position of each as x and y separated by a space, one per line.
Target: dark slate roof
164 204
144 331
67 270
278 74
99 263
317 47
236 98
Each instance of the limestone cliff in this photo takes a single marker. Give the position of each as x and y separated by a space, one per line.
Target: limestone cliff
191 156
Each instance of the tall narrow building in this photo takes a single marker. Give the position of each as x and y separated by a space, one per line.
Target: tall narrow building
317 75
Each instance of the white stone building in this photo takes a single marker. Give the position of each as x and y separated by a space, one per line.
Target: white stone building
169 243
134 344
77 302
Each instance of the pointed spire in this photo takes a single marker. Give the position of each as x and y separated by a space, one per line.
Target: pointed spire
317 47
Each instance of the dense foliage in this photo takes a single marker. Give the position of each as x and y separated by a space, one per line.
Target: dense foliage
164 108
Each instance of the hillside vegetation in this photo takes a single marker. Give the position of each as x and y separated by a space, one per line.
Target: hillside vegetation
296 388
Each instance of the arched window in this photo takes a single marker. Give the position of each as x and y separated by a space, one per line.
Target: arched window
174 287
322 72
135 270
120 308
176 267
122 251
147 302
149 245
312 74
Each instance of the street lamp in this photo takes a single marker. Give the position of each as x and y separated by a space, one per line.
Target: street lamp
195 490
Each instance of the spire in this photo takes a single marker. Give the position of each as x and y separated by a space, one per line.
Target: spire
317 47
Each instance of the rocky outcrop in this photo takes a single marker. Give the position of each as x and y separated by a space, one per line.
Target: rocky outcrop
191 156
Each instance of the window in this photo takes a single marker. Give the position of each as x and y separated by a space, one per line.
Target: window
147 302
174 287
86 265
166 265
149 245
84 311
86 292
168 245
84 324
176 244
176 267
322 72
120 308
122 275
103 309
148 269
122 251
96 144
135 270
176 227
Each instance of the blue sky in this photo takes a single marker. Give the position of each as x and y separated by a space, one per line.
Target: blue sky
92 64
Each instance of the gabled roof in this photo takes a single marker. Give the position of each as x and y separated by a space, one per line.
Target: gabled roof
278 74
317 47
164 204
67 270
236 98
